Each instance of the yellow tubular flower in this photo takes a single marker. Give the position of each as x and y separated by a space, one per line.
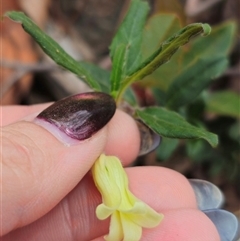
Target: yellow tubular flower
128 214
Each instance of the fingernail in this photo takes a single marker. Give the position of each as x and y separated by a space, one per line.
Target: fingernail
226 223
149 139
79 116
207 194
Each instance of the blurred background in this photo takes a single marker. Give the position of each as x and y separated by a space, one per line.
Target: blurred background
85 28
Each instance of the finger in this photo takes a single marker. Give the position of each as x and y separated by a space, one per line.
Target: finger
74 218
123 138
38 170
13 113
183 225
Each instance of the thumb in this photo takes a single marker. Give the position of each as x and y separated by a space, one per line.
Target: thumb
38 169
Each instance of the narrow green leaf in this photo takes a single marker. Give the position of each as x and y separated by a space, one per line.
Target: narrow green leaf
225 103
130 36
102 75
117 69
165 52
220 41
170 124
193 79
168 48
154 36
53 49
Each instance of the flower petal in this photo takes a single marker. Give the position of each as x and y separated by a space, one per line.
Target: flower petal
103 211
138 207
115 230
149 219
106 184
128 214
131 231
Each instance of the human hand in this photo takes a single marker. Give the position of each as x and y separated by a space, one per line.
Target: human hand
48 193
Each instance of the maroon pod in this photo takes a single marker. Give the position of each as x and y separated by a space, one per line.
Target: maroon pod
81 115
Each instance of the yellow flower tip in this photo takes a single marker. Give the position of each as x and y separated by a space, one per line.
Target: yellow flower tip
128 214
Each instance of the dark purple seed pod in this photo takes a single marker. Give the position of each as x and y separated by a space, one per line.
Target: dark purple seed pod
80 116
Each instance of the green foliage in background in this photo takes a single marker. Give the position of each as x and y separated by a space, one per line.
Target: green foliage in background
177 64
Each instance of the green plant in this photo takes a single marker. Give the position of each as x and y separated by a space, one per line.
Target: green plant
129 66
179 86
186 91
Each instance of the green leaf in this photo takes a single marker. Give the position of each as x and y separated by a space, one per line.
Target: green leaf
53 49
153 35
234 132
199 151
159 96
171 6
193 79
220 41
125 48
170 124
166 148
165 52
102 75
131 97
225 103
117 69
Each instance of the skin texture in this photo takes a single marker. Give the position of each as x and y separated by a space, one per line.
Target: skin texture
48 192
